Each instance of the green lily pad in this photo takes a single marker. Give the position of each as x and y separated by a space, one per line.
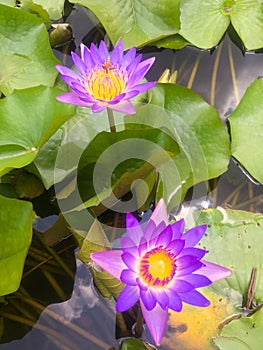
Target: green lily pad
53 8
133 344
15 237
242 334
242 230
202 137
96 241
28 118
175 42
28 58
246 125
136 22
203 23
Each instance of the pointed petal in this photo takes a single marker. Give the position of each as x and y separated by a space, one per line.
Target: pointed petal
164 237
134 229
85 55
142 87
127 298
181 286
191 268
148 299
129 246
161 297
197 252
160 213
130 261
178 228
197 280
129 277
193 236
176 246
141 71
81 67
214 272
149 229
128 58
71 97
103 51
117 53
175 302
125 107
68 72
110 261
156 321
94 54
185 261
155 234
194 298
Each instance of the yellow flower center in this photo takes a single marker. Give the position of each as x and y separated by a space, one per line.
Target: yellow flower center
157 267
106 82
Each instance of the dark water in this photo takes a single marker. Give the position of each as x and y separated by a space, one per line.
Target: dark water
58 307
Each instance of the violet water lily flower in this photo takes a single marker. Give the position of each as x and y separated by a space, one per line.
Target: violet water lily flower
105 80
161 268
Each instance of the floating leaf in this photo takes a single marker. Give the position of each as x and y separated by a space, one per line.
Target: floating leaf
203 23
242 334
53 8
136 22
202 137
28 118
25 40
246 126
96 241
15 237
133 344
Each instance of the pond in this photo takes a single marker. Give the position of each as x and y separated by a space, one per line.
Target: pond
65 300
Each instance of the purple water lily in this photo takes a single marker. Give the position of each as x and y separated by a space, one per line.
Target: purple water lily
105 80
161 267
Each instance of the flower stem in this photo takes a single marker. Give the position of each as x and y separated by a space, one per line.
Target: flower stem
111 120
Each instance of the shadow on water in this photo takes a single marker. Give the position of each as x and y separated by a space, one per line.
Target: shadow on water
57 306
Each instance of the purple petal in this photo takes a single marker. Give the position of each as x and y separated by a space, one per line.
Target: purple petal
194 298
185 261
67 72
196 252
131 68
181 286
213 271
130 261
161 296
142 70
103 51
156 232
99 107
145 64
129 246
149 229
85 55
125 107
95 55
143 246
128 58
177 228
165 237
81 67
71 97
197 280
129 277
193 236
134 229
160 213
175 302
176 246
148 299
156 321
131 94
142 87
185 271
110 261
127 298
117 53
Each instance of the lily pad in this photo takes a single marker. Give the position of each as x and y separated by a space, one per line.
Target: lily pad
53 8
15 237
136 22
202 137
246 126
242 334
28 58
203 23
28 118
